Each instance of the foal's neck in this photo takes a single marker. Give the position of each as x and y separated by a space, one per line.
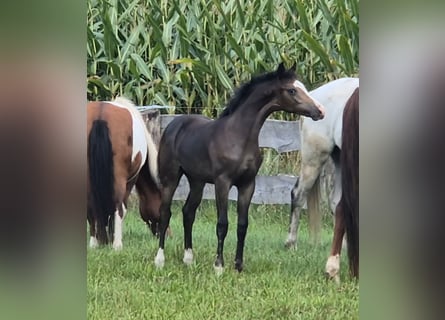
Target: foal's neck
250 117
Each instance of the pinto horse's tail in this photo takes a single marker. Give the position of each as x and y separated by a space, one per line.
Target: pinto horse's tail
313 210
100 162
350 180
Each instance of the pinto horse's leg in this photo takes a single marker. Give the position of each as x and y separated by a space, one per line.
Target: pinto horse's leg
333 263
189 211
93 240
119 216
245 194
167 191
222 187
92 223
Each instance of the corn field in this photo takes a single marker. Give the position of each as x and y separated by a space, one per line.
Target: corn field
192 54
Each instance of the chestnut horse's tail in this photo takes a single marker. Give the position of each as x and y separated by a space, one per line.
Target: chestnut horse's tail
313 210
100 162
350 180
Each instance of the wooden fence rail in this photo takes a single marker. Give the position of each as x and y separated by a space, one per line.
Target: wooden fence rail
283 136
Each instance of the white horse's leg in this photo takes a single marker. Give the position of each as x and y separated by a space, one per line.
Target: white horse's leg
308 175
296 196
314 152
336 191
118 220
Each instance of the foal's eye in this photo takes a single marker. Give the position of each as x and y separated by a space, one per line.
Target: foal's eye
292 91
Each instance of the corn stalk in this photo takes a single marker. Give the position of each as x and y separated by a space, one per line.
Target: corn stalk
191 54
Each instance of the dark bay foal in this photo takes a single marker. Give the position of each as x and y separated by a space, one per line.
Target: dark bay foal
225 152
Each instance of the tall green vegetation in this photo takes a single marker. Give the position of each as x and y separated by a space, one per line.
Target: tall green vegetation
191 54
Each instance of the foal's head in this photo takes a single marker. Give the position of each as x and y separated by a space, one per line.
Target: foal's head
280 87
291 95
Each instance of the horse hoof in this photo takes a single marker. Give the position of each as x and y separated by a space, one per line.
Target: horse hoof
332 269
93 243
335 278
219 270
239 266
117 246
290 245
160 259
188 257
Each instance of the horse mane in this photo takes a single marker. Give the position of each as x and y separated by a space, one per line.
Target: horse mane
244 91
129 105
124 101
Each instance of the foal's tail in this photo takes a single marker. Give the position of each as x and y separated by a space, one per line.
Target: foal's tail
313 210
100 162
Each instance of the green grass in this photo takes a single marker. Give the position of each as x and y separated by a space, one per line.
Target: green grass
275 284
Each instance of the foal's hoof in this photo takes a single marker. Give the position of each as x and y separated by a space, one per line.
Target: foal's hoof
219 266
160 259
188 257
239 266
219 270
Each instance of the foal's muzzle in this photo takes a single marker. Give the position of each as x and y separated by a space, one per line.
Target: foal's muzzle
319 113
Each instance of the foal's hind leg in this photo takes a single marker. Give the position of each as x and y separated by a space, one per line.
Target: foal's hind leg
245 194
169 185
189 212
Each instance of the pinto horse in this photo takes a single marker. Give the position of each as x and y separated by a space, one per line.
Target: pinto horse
121 154
346 213
225 152
319 141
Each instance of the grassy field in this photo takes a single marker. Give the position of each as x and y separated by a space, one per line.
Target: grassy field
275 284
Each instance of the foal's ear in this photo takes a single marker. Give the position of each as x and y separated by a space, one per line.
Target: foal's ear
281 68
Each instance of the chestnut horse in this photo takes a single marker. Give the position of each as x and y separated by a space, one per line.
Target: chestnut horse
225 152
121 154
346 213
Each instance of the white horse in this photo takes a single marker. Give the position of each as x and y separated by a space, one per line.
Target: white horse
319 140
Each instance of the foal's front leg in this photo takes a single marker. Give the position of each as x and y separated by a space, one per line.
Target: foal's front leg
245 194
222 188
189 211
165 215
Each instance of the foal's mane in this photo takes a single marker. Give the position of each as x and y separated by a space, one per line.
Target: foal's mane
244 91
